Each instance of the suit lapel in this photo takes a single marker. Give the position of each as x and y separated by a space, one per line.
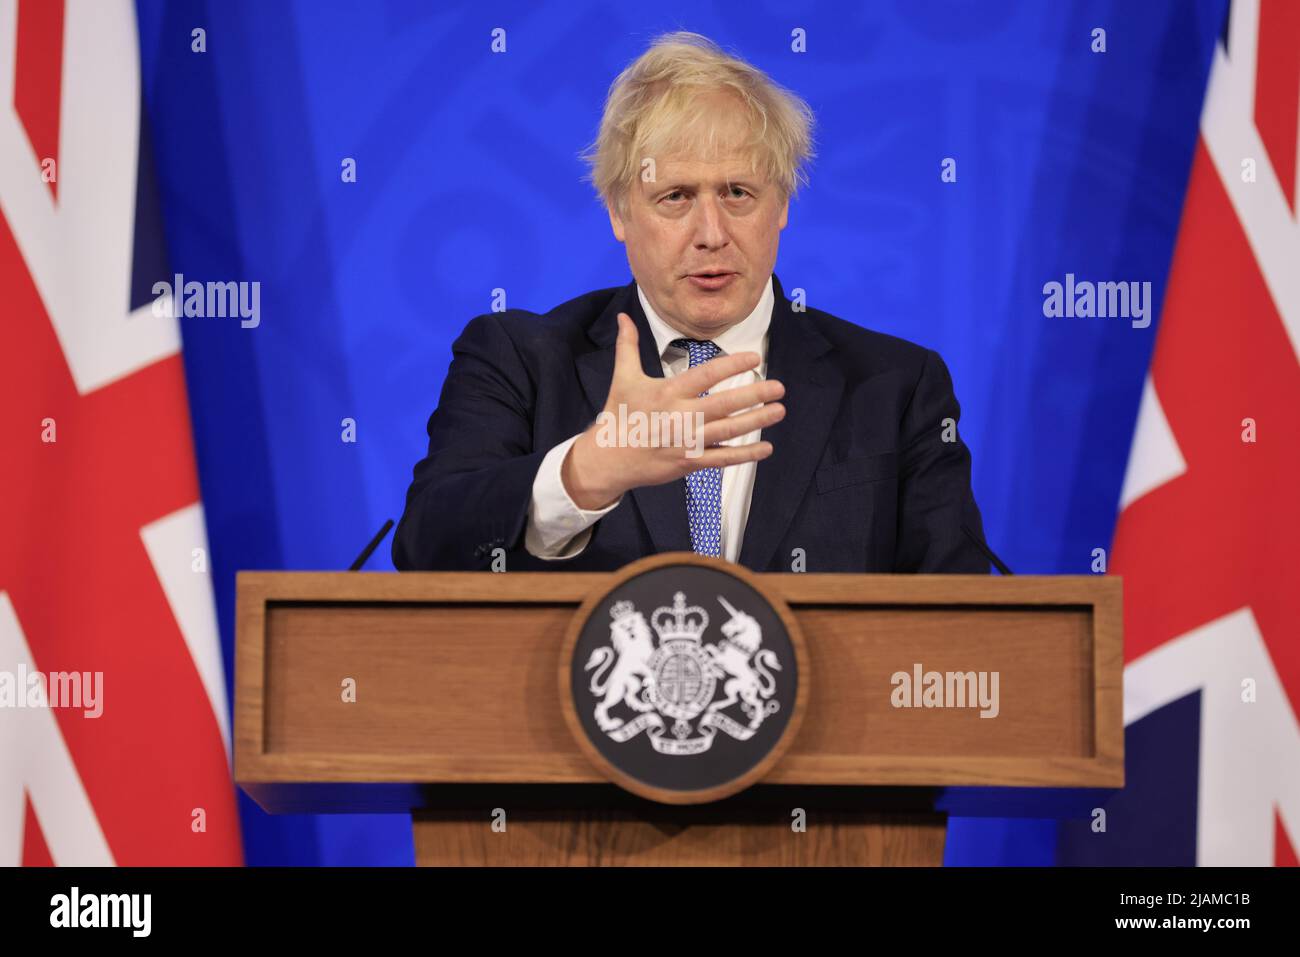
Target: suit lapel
813 386
662 507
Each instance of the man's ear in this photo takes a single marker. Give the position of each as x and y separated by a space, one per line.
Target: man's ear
616 222
785 213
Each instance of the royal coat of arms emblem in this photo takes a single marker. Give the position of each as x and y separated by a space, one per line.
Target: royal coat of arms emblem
684 681
678 688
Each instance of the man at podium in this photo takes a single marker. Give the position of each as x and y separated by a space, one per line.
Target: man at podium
699 407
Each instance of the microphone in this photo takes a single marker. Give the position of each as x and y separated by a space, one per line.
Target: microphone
370 549
988 552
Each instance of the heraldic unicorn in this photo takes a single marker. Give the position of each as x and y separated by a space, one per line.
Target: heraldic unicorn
678 679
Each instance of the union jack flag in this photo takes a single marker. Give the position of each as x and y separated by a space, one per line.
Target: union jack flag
103 553
1210 516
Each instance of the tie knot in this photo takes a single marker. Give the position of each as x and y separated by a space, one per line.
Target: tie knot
699 350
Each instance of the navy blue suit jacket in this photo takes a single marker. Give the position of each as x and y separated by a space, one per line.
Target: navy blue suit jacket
861 478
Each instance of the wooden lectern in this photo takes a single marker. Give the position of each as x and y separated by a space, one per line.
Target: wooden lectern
435 694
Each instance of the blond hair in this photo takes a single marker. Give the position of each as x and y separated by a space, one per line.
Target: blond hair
653 108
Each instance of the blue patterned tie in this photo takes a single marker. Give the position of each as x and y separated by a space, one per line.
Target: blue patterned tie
703 487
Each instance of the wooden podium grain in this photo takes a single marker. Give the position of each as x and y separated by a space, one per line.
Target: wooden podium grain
457 717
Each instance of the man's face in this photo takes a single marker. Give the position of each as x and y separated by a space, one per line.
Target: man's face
702 239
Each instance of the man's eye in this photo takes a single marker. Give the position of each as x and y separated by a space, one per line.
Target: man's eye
739 192
674 195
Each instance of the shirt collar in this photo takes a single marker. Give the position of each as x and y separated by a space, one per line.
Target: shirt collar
748 335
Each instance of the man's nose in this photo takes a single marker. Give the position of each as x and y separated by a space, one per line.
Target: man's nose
710 224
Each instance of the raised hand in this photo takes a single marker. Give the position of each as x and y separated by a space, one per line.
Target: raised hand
596 471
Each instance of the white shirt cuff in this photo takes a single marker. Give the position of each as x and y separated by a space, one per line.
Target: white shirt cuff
557 528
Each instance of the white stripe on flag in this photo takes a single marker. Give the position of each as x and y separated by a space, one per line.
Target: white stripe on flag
34 758
171 542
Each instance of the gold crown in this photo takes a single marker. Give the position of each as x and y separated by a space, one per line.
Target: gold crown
680 622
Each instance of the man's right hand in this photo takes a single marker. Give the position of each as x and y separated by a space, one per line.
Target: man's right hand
596 475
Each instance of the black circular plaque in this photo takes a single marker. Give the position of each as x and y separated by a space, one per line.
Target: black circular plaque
684 678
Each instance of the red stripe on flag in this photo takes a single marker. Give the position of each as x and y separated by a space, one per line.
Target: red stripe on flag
1284 850
36 853
39 69
1277 88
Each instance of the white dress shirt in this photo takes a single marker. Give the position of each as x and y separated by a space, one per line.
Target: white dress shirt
557 528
